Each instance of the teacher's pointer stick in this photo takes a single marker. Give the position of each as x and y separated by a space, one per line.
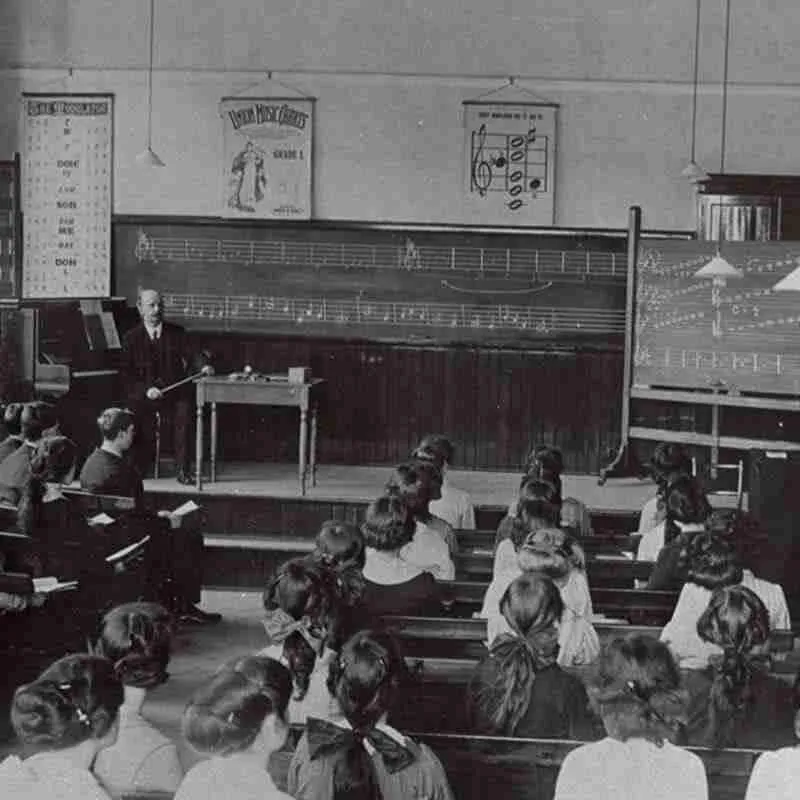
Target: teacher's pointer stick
183 381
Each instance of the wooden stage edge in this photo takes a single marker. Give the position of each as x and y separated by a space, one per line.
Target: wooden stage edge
361 484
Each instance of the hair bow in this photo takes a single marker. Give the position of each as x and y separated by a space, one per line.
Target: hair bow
668 707
279 626
326 738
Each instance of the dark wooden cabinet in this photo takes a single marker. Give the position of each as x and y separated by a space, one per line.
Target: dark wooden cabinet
749 208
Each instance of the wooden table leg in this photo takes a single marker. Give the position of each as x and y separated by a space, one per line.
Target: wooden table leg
302 448
213 442
198 447
313 445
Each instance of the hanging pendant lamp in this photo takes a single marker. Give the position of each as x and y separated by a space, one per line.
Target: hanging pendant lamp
148 157
692 171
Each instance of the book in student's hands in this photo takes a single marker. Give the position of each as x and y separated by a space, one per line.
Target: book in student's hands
101 519
51 584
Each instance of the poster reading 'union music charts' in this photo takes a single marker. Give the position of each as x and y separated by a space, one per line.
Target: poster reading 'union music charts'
510 162
66 195
267 158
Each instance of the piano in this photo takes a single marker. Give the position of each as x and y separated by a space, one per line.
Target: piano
71 356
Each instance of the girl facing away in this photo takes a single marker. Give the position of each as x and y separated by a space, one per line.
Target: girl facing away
551 552
518 689
340 548
686 510
776 774
455 505
306 620
713 563
357 755
735 701
237 721
67 716
393 585
433 544
136 638
538 506
638 697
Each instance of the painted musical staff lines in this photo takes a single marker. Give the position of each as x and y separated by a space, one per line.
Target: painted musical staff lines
301 311
477 262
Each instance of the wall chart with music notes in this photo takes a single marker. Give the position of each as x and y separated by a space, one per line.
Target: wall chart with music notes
730 329
67 170
441 286
510 161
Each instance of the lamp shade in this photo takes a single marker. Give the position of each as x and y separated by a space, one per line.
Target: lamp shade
791 283
694 173
718 267
147 158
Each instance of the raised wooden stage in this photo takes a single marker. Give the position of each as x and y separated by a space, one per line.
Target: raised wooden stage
272 492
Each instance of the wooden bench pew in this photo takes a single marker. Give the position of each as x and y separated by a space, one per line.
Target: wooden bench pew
637 606
478 767
608 542
249 561
445 637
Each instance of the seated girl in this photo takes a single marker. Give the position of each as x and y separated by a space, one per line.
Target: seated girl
237 721
544 463
638 697
340 548
306 620
66 716
669 462
357 754
57 526
518 689
136 638
434 541
538 507
392 585
552 552
776 774
686 512
454 505
575 518
735 701
712 563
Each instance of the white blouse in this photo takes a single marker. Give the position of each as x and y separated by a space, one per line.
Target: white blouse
680 633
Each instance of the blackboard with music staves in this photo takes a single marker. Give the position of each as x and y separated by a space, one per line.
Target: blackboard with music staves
379 282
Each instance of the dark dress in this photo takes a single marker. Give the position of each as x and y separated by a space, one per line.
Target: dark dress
767 722
158 363
9 445
558 707
107 473
415 598
14 473
669 574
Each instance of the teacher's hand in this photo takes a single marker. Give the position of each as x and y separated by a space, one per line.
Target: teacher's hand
154 393
207 370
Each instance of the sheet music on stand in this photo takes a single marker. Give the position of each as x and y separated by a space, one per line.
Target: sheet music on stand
67 169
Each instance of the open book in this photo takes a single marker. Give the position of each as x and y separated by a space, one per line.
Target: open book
50 585
128 551
101 519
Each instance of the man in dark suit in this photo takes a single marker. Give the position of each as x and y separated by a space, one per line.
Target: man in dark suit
175 553
155 355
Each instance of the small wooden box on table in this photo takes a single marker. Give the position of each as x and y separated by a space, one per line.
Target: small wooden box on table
261 391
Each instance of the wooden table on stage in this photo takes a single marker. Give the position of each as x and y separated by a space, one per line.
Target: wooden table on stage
215 390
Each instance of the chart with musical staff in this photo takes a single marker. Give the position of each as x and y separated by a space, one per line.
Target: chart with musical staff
392 285
510 161
67 172
727 329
